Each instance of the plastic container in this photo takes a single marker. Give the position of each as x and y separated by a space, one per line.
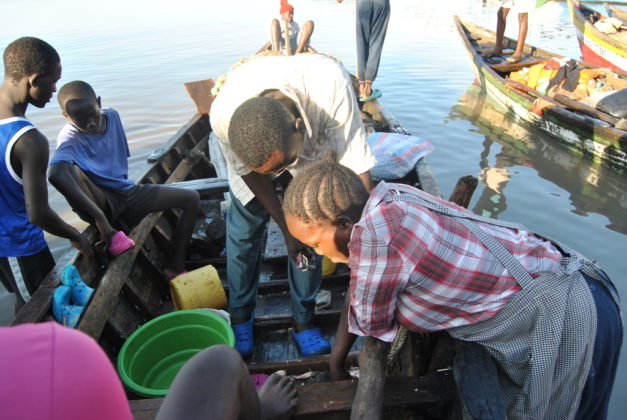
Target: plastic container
197 289
152 356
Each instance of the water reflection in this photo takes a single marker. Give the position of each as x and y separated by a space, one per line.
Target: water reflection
593 188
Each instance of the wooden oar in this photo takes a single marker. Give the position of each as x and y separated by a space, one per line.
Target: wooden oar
200 92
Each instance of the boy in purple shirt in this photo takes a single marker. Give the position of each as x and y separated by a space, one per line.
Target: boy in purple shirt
90 168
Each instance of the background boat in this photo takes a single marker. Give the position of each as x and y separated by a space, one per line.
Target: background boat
579 126
598 48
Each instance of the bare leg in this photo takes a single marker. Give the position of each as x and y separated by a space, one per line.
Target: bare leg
306 31
189 202
365 88
500 31
275 35
85 197
523 23
216 384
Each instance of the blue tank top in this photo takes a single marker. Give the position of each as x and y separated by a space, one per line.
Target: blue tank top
18 236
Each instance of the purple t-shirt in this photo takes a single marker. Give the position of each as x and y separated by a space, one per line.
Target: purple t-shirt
103 158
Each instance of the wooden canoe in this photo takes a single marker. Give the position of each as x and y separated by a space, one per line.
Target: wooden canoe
132 289
597 47
579 126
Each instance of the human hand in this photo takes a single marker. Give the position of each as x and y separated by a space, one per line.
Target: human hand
297 250
83 246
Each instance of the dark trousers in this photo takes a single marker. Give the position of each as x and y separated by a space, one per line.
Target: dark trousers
372 22
32 270
244 231
607 344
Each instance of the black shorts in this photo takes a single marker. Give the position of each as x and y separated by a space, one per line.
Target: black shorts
131 205
31 270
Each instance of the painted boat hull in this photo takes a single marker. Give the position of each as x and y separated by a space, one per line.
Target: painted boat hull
589 135
597 47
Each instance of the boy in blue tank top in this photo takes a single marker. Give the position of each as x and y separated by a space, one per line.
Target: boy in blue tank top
90 168
32 68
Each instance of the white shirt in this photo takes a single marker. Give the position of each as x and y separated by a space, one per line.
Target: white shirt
324 95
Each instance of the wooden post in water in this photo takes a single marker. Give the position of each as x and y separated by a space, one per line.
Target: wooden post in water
368 402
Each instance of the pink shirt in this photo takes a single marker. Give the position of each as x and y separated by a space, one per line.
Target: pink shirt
423 270
51 372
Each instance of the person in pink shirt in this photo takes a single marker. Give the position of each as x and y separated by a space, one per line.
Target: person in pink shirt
53 372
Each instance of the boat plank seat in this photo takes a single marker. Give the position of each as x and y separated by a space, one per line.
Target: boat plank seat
206 187
508 68
322 400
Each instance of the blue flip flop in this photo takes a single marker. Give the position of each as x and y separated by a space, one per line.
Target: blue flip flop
375 94
244 342
81 293
62 310
311 342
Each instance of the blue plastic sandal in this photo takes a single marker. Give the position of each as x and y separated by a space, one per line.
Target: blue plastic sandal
311 342
244 342
81 293
62 311
376 93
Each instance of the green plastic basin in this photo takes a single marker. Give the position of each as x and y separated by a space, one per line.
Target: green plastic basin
152 356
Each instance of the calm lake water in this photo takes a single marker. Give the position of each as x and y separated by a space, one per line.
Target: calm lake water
137 55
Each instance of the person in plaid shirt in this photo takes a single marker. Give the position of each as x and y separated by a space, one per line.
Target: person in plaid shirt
416 263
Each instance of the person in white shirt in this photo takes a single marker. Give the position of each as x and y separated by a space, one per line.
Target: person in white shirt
273 115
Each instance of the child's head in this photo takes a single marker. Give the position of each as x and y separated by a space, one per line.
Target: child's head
322 203
35 65
265 136
80 105
286 11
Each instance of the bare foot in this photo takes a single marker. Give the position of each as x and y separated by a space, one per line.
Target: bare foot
277 397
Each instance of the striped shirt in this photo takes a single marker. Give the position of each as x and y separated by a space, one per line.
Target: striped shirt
423 270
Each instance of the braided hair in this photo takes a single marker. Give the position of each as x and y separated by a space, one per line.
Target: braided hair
325 190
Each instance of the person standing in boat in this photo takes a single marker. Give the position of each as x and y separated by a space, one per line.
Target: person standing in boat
272 115
371 20
298 37
522 8
548 316
32 68
90 169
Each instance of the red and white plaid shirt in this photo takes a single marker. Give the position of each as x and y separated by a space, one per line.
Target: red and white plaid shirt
418 268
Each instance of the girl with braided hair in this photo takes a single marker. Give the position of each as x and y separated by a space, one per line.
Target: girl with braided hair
548 316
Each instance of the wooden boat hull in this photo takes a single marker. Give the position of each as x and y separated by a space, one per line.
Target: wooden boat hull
596 47
132 289
581 132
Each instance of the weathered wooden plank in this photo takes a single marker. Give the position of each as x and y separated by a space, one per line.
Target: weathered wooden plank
320 399
105 296
475 374
298 365
206 187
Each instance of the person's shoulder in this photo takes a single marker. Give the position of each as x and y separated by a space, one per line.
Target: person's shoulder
110 112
